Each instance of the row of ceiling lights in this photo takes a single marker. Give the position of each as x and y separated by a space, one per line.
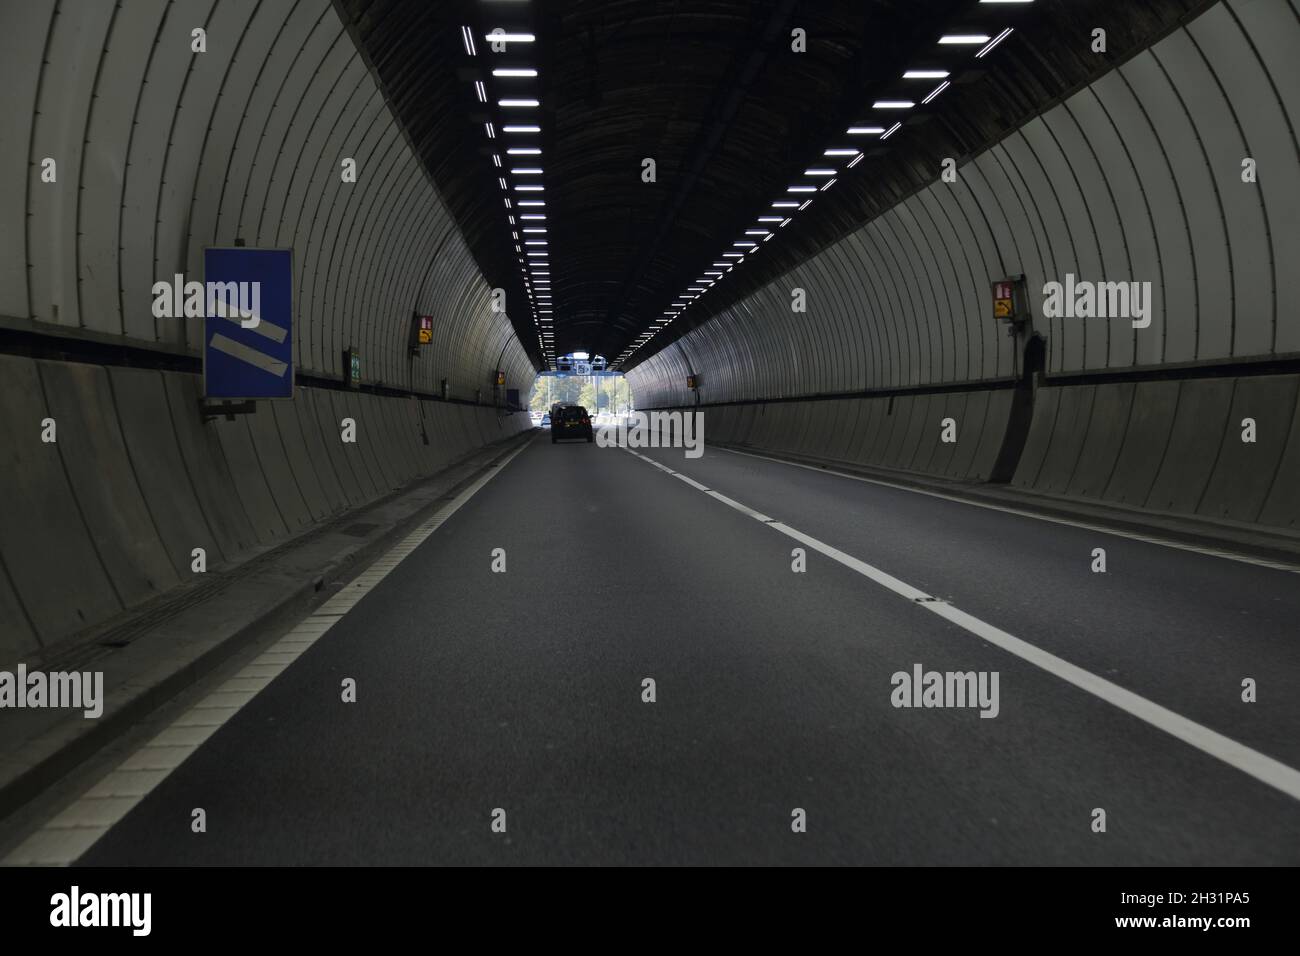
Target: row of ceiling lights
819 178
518 174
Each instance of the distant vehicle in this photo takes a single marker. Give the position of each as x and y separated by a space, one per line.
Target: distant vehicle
571 421
546 420
536 417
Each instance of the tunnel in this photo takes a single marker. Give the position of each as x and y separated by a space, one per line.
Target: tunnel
650 432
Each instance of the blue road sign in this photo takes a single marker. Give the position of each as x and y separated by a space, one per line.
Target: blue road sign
248 331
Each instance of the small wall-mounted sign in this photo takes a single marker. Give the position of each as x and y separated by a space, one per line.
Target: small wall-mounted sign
421 331
352 368
1004 302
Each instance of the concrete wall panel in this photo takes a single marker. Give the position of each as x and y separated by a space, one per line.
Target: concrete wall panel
1194 442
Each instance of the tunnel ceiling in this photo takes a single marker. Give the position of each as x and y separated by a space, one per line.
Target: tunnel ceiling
713 92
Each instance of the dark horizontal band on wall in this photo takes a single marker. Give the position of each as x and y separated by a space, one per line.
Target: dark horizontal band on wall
23 337
1241 368
981 385
1285 364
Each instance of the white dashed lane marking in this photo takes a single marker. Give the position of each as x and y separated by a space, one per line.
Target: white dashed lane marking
1260 766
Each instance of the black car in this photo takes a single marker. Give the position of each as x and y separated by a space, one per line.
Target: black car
571 421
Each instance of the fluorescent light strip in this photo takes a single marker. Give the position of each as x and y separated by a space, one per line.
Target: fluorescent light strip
802 189
508 72
524 151
996 40
758 232
784 204
865 130
841 152
468 39
527 170
936 91
819 171
769 218
521 129
533 216
500 36
518 104
491 133
963 39
529 188
892 105
926 75
532 202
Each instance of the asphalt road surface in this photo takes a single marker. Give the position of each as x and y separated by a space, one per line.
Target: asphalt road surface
523 690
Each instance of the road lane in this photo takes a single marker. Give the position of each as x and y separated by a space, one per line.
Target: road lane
522 690
1179 627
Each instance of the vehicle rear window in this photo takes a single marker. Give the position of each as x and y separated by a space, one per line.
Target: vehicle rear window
573 414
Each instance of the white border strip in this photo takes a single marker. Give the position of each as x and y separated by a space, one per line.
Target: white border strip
79 826
1260 766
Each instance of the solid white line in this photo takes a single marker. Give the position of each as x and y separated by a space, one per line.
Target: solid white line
1008 509
1260 766
79 826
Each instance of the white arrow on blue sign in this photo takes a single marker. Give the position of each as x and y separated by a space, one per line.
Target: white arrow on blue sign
249 357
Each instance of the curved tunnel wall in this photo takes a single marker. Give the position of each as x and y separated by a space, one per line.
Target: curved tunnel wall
244 141
1137 177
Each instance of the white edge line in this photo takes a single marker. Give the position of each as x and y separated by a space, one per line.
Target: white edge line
1210 742
62 845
